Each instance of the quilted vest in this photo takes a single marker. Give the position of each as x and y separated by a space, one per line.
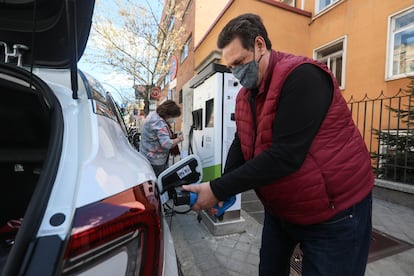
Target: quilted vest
336 173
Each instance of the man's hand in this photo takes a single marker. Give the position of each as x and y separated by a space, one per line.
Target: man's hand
206 198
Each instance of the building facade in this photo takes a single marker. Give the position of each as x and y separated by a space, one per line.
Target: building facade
368 45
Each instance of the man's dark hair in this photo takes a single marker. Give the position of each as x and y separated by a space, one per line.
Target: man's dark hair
246 27
168 108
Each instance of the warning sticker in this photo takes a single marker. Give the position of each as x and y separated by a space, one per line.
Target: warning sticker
184 172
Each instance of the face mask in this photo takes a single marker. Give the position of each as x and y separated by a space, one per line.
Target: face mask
247 73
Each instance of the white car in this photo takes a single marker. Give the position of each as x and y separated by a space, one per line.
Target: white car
76 197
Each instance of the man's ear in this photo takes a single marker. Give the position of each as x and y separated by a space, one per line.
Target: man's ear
261 44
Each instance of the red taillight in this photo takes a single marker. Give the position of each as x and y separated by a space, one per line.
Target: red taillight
128 223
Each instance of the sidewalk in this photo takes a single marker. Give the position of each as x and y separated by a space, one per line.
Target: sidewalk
201 254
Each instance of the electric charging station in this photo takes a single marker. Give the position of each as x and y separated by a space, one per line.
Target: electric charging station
214 98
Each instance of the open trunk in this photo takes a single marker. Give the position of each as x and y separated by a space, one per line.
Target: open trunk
30 142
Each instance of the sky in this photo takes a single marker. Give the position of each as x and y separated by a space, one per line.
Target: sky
111 80
117 83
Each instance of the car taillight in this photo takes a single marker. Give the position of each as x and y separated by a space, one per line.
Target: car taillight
121 234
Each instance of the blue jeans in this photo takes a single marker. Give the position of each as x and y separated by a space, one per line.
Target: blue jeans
338 246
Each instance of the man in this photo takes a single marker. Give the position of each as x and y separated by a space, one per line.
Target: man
298 147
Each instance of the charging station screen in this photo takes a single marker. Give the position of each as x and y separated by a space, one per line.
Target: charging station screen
197 119
210 113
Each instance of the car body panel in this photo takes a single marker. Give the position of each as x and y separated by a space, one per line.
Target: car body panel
96 162
102 146
170 258
114 168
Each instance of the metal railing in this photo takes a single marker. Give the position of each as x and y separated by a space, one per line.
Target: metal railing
387 127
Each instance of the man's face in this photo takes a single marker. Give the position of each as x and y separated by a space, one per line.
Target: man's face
235 55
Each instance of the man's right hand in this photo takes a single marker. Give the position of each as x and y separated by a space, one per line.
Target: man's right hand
206 198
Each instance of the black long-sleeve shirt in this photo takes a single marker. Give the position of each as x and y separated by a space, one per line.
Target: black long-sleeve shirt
304 101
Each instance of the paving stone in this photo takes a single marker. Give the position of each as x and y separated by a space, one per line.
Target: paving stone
252 259
200 253
243 246
239 255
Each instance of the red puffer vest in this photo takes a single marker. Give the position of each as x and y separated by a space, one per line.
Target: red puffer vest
336 173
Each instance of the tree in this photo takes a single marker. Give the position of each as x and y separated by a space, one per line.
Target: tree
138 40
396 154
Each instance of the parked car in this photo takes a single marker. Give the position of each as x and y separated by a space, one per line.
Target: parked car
76 197
134 137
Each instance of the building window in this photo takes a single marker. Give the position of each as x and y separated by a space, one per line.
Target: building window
333 55
288 2
171 94
323 4
184 53
401 48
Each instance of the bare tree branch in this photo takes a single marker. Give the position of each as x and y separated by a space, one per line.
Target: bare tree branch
139 41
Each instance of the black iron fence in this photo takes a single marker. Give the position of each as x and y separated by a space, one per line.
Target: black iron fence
387 126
